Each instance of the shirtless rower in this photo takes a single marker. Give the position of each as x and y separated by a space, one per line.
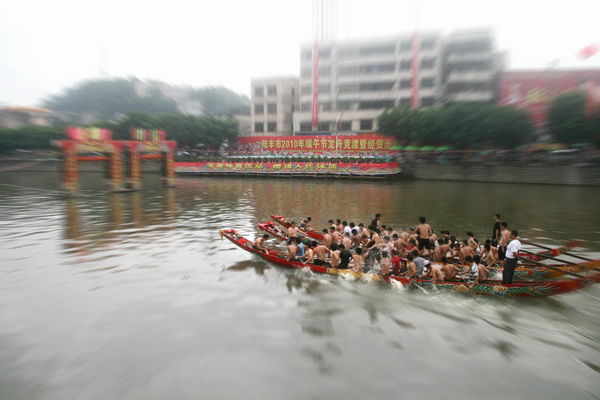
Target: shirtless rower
471 241
488 255
374 235
411 268
465 251
405 236
363 231
320 251
434 272
338 226
346 241
292 249
424 232
449 270
310 254
336 237
504 239
326 238
293 230
481 269
358 260
335 255
356 237
259 243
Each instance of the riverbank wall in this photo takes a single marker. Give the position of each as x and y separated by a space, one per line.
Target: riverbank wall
547 174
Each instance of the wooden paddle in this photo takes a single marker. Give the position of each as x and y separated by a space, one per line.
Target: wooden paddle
558 269
547 257
549 248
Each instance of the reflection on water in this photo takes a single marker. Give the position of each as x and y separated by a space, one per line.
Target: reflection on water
134 295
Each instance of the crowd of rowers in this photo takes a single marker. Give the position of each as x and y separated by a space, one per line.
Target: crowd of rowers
413 253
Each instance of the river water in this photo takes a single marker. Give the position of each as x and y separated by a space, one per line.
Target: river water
134 296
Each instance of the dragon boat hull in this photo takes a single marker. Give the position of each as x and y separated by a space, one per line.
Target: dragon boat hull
516 289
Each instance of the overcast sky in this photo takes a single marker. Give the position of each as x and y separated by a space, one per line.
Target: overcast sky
47 45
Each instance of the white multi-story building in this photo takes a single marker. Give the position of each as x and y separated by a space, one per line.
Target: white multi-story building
274 100
358 80
471 67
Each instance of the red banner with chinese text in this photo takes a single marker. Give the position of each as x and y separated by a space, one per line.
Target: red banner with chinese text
367 143
364 169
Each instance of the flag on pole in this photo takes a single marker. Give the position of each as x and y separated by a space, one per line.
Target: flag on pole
588 51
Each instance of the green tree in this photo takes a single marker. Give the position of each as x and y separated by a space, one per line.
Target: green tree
567 119
30 137
218 100
187 130
108 99
461 125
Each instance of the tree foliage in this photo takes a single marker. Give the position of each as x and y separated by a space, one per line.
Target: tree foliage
29 137
108 99
187 130
460 125
567 120
218 100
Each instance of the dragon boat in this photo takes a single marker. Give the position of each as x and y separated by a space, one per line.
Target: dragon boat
517 288
286 224
528 272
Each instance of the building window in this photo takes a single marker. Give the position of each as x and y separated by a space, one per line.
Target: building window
406 45
325 71
405 65
324 54
324 126
271 108
306 73
272 127
427 63
305 126
344 125
348 70
405 101
383 49
427 101
404 83
377 69
305 106
376 86
427 82
325 106
259 108
259 91
427 44
324 88
366 124
306 55
259 127
306 89
344 105
271 90
348 88
293 92
376 104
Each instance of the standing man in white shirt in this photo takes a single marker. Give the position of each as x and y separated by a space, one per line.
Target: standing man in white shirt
512 256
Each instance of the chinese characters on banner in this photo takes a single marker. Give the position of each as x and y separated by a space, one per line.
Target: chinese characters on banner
290 167
319 144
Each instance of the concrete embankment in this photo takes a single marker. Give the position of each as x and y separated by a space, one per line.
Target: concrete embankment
549 174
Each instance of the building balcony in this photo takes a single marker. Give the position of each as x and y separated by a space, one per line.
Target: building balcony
470 76
470 56
470 96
